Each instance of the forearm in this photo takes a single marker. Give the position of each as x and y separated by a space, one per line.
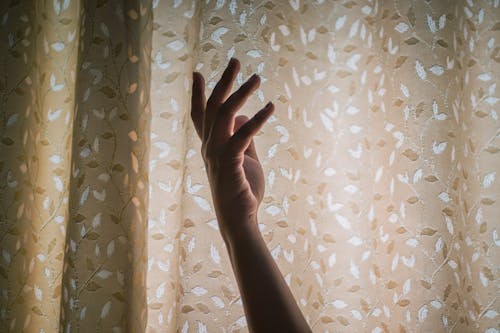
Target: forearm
269 305
237 184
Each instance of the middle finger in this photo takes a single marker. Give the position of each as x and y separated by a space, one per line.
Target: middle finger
219 94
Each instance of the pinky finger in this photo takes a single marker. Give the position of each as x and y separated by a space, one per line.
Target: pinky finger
240 141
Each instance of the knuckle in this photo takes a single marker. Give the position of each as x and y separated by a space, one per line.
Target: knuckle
223 109
210 102
242 92
247 86
222 115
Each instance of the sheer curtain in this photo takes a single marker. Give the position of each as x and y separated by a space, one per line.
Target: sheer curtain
381 163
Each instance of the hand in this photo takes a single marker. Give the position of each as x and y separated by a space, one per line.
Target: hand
237 183
233 168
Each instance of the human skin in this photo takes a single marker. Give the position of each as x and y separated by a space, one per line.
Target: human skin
237 185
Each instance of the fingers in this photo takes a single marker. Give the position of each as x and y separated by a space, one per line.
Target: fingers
250 151
223 122
241 140
219 94
198 102
214 119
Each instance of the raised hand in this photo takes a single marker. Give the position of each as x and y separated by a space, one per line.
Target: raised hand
233 168
237 183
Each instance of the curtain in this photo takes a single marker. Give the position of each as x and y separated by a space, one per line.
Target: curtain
381 163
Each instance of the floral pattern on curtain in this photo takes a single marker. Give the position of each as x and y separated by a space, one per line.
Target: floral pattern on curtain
381 163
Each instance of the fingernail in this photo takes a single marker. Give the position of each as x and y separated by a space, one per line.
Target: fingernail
268 105
254 78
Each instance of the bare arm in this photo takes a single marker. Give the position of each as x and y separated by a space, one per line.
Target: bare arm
237 184
269 304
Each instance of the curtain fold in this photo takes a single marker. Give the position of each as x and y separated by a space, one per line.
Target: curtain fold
75 203
105 253
381 163
175 36
37 117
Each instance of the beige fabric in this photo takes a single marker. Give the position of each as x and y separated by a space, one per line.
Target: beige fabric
381 162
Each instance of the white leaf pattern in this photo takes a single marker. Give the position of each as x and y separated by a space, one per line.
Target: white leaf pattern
380 154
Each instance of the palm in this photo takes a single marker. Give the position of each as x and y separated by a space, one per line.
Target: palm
254 176
246 188
241 189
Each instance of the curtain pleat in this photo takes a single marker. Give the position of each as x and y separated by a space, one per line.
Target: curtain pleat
104 277
381 163
175 36
39 50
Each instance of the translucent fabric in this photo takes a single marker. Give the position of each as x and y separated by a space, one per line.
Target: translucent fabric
381 163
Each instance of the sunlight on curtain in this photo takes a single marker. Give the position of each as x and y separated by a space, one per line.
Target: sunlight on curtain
381 163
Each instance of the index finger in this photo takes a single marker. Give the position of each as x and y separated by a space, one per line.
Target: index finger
198 102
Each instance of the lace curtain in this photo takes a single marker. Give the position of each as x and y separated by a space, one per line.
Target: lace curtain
381 163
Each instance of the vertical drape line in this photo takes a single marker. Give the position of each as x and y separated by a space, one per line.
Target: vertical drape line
12 227
476 131
189 134
15 226
455 311
60 319
190 139
70 279
37 165
139 39
173 40
104 278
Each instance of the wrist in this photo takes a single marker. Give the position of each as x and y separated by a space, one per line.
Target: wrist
239 230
